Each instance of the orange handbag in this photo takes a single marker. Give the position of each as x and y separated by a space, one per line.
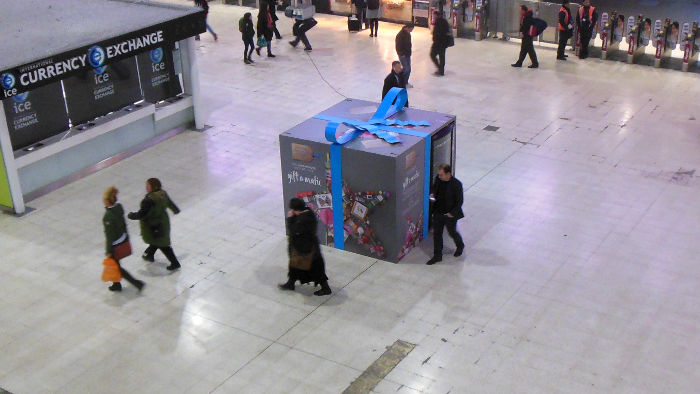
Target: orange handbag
111 272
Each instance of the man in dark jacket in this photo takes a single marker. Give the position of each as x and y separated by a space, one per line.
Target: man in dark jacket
403 49
565 29
526 47
586 22
447 210
299 30
395 79
441 37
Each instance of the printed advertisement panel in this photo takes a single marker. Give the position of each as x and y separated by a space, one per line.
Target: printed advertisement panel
36 115
102 90
157 73
410 171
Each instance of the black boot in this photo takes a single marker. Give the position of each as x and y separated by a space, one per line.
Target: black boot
287 286
325 289
116 286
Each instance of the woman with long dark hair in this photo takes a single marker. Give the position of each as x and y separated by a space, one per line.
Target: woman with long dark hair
305 260
265 29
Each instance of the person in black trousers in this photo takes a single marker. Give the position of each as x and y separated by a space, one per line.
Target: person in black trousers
116 234
273 8
361 10
299 30
374 12
395 79
441 33
565 29
404 50
526 47
447 210
245 25
586 21
301 227
265 27
155 222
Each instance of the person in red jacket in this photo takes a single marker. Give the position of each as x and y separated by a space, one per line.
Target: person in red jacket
526 47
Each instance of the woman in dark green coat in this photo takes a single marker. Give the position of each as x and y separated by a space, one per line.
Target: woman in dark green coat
155 222
115 234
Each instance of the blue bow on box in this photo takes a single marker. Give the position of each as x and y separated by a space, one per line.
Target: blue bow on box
381 127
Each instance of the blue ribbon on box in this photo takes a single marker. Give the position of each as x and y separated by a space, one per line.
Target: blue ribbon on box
380 126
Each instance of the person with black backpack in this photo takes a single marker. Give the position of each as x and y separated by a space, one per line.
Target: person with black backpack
527 31
245 26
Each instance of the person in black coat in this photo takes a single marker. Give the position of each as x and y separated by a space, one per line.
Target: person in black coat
245 25
301 227
361 10
404 49
565 29
586 21
526 47
441 36
395 79
265 27
447 210
272 5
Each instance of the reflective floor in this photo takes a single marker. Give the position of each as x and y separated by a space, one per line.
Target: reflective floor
581 271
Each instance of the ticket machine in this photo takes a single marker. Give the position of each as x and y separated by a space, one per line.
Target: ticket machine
662 32
690 44
638 33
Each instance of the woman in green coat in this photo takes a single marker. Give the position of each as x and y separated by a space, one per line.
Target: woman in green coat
115 234
155 222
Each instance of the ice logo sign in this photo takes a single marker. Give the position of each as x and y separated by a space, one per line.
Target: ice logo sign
20 98
21 103
96 56
8 81
157 55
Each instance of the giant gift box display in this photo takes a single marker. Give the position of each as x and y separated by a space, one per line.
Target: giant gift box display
365 171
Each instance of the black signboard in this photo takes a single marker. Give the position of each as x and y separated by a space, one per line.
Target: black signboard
36 115
102 90
157 72
30 76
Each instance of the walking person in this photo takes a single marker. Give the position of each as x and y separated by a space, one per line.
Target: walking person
441 40
404 49
299 30
526 47
586 22
245 26
361 12
374 12
565 29
395 79
117 237
205 5
305 260
155 222
447 210
264 27
272 6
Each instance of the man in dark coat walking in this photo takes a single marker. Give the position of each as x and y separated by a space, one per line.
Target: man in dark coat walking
441 37
404 49
526 47
395 79
447 210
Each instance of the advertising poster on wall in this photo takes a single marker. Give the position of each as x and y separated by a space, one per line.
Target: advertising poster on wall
102 90
36 115
157 73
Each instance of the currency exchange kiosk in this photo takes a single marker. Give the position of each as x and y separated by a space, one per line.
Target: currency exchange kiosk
121 78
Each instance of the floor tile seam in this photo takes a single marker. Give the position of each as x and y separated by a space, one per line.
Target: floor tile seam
276 341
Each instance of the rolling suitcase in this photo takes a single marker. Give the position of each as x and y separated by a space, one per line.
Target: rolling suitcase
354 23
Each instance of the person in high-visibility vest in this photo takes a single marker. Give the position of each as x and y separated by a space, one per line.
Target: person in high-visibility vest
586 21
565 29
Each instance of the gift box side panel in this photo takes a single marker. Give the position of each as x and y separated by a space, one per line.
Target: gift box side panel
443 149
370 204
410 183
306 175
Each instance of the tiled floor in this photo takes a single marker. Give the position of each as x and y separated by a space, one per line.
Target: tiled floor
581 272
